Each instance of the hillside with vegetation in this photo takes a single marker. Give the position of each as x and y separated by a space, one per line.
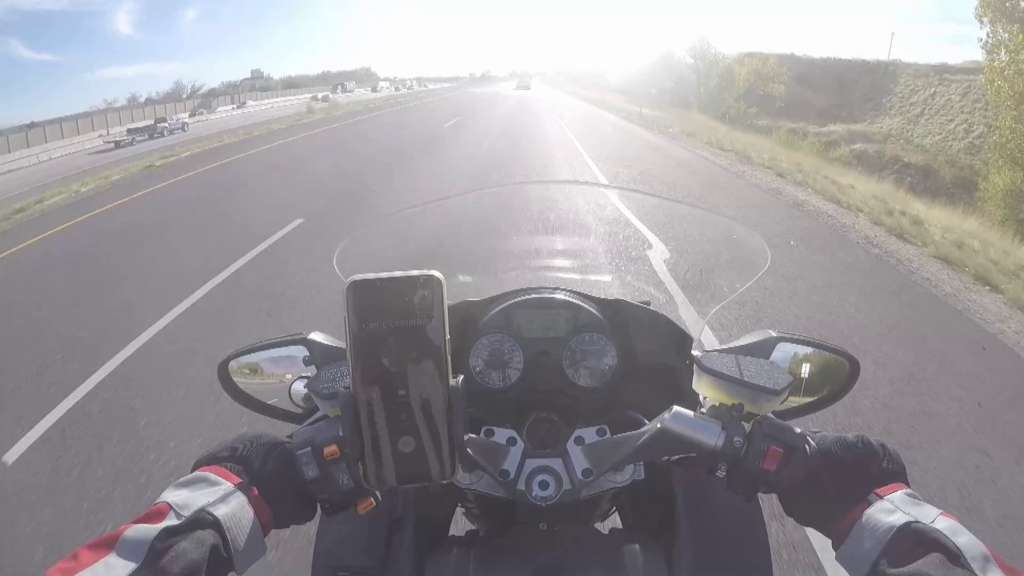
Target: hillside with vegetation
925 127
923 150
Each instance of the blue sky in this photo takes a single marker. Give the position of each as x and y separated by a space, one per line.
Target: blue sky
62 56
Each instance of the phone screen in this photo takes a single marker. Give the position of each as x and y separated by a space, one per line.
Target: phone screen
398 350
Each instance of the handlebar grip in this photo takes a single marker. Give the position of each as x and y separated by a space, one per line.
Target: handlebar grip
776 455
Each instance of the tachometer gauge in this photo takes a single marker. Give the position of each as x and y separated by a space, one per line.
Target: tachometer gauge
496 361
590 359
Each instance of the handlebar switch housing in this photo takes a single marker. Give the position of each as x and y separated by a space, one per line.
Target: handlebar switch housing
328 461
731 418
775 455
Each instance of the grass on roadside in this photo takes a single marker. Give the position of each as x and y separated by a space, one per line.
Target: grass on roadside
957 236
61 195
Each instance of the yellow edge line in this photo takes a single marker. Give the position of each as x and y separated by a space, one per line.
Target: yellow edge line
102 209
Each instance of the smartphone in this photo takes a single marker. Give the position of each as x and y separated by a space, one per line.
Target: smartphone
401 372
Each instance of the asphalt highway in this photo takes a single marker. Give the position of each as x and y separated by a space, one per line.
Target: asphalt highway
111 327
22 184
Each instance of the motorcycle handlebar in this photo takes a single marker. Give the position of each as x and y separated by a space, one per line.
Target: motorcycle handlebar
752 461
761 459
674 432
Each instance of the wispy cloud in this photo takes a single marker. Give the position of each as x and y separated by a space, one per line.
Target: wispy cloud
124 18
11 8
189 14
47 5
16 48
138 70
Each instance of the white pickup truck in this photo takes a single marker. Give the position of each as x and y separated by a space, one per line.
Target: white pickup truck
161 126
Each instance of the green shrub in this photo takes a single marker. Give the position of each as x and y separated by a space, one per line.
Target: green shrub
1001 193
1002 189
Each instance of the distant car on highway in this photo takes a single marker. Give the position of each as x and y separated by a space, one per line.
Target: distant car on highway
344 88
524 83
325 97
381 86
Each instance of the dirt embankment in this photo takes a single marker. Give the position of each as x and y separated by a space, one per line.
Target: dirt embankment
924 127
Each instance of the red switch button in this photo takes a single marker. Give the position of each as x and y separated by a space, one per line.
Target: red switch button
772 458
332 452
365 505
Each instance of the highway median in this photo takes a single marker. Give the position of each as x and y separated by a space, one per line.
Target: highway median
62 194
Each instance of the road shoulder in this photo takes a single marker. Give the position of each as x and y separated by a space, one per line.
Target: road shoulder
953 286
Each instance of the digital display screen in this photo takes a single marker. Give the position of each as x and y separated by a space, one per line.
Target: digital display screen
543 322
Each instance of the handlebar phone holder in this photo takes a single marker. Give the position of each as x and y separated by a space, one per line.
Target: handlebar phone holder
328 450
457 416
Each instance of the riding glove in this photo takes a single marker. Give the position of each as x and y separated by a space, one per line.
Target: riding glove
267 463
839 473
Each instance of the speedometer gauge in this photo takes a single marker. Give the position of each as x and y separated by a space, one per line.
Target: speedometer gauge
496 361
590 359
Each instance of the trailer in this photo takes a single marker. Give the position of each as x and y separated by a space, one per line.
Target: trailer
161 126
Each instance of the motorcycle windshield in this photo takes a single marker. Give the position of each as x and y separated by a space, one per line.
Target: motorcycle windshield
603 240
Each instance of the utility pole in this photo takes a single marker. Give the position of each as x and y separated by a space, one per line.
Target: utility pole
889 55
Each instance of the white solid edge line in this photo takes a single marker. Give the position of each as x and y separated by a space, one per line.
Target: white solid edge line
658 254
39 429
452 121
823 548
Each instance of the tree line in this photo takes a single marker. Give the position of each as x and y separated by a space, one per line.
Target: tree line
731 88
182 89
739 88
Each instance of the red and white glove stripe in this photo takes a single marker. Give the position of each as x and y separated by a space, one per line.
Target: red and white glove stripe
893 506
244 518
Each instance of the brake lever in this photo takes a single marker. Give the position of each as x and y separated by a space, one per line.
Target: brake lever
675 432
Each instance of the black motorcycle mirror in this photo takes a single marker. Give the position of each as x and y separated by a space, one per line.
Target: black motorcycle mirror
270 377
773 372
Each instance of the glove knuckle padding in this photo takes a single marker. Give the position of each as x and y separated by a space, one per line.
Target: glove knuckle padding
843 471
267 463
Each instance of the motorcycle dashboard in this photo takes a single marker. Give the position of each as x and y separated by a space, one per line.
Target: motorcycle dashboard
552 346
535 338
541 321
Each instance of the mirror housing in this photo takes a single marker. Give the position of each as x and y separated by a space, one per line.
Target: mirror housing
289 402
787 375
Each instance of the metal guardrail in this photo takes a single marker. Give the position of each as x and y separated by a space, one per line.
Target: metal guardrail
35 155
63 147
33 138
